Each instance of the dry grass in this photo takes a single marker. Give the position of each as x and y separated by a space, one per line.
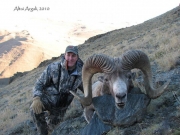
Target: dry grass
150 130
160 40
16 100
141 131
115 131
16 111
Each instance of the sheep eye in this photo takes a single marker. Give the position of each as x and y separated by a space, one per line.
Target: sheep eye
106 79
129 76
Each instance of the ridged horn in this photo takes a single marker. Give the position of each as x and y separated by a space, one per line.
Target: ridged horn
97 63
138 59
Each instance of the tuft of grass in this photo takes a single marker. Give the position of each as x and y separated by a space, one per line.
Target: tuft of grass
115 131
176 132
168 61
150 130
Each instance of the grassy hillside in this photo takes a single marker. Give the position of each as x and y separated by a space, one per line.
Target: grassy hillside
159 37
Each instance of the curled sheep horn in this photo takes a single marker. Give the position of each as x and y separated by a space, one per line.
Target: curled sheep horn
97 63
138 59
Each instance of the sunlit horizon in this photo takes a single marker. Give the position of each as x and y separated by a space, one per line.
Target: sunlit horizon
103 15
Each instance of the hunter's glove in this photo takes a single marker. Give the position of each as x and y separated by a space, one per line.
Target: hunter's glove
37 105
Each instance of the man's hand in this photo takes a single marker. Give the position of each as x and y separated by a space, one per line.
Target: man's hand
37 105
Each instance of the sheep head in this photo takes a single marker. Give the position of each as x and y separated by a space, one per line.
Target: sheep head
117 75
118 83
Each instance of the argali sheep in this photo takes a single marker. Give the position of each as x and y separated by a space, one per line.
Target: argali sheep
117 73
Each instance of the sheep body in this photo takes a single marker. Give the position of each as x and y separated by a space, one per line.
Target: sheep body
99 88
117 77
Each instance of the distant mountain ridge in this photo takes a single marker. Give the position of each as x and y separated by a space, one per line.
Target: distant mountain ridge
24 50
18 52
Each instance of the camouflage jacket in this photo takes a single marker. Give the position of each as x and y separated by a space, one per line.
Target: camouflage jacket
55 82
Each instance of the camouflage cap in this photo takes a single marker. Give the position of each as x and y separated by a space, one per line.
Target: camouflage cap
72 48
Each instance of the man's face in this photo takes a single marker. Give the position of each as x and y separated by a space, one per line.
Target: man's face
71 59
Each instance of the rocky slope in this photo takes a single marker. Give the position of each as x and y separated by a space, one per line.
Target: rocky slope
158 37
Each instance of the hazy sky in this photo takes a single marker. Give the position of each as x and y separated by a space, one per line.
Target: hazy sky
105 15
93 11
